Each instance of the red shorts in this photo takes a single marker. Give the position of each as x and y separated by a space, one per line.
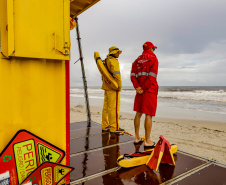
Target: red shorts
145 103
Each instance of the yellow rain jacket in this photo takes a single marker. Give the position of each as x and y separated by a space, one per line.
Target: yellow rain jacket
112 65
110 113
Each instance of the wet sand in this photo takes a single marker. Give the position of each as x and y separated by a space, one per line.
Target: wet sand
203 138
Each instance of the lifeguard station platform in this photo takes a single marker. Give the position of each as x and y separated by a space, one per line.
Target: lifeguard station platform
35 95
94 154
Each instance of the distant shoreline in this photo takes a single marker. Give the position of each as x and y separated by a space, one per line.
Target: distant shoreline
206 105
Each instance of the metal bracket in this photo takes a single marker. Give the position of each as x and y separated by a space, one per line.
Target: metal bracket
65 46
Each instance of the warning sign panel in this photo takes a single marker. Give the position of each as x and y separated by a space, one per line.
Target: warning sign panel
60 171
46 175
24 153
47 154
25 158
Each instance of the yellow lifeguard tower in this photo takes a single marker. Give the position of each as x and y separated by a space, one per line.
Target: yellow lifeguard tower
34 68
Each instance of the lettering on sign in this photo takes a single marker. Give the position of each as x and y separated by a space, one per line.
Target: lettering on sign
46 174
25 158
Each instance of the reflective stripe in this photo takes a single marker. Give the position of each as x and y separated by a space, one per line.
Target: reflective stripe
144 74
116 72
153 74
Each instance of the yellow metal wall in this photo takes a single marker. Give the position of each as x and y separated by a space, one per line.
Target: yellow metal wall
32 97
36 29
32 71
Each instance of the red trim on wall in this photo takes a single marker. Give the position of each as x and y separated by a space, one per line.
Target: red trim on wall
117 126
67 76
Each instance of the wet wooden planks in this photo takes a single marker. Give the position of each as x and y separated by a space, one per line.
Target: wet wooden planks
93 152
144 175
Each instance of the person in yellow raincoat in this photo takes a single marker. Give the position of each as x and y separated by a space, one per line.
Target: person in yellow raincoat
110 113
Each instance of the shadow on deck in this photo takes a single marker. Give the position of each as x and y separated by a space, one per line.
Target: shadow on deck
94 155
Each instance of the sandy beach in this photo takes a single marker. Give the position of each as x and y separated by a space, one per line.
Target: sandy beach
203 138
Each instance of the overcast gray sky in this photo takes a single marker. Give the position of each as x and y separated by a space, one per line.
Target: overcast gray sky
190 36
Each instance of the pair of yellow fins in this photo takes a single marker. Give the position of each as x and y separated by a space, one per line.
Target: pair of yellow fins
163 152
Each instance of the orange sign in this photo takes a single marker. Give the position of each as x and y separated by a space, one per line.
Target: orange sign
48 174
24 153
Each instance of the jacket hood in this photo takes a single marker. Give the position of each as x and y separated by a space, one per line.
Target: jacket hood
148 52
145 57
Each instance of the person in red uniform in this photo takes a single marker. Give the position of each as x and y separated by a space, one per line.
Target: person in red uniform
144 78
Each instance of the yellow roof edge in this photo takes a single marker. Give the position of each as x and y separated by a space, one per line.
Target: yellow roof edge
87 7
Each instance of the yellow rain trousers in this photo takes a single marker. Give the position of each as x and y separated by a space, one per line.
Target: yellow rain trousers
110 114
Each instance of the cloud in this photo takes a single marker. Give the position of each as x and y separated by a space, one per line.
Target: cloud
190 36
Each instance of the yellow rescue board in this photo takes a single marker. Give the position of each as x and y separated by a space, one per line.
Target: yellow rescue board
104 72
129 162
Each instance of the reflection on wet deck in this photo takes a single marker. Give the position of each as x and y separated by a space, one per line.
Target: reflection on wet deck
94 155
97 141
97 161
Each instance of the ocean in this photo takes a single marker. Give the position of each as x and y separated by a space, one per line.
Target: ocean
178 102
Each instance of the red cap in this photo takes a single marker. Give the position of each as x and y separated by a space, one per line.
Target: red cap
148 45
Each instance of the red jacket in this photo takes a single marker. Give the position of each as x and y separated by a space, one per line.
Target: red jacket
144 72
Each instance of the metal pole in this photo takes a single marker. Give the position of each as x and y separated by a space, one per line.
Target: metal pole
83 75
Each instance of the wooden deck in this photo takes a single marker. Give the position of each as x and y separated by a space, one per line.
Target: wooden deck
94 155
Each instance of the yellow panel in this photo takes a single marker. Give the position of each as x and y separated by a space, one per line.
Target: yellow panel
3 27
38 29
67 20
35 41
33 96
10 27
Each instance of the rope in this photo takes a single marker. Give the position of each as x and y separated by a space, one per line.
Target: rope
127 159
125 132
